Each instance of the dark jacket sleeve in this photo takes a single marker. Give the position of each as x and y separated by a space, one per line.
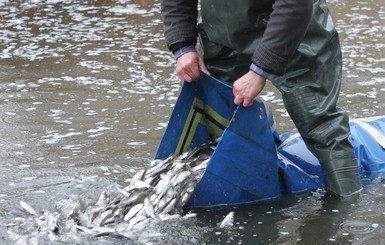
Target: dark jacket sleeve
180 22
284 32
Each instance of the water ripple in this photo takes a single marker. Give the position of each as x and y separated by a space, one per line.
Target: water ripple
357 227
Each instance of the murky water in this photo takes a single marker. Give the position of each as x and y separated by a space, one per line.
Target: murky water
86 90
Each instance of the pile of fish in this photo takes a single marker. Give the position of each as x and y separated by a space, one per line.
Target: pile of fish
157 193
154 194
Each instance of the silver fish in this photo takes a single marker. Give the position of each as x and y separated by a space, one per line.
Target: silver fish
181 177
228 221
133 211
102 231
122 191
180 166
135 198
170 206
153 194
141 224
101 219
137 185
135 220
103 199
186 197
28 208
163 183
189 215
84 229
201 166
138 176
121 227
164 217
149 208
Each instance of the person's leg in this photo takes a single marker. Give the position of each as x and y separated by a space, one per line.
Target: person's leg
325 132
310 97
310 90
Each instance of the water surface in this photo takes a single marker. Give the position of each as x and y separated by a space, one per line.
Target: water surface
86 91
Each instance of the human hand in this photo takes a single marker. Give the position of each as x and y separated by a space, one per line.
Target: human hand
247 87
188 66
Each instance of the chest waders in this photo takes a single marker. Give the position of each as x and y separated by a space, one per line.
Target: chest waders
230 31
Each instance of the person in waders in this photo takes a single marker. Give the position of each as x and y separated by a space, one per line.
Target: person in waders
292 43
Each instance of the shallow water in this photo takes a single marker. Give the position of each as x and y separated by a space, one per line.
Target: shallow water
86 90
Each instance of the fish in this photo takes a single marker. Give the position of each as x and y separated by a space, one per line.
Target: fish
133 211
137 185
135 220
228 221
102 218
103 199
164 217
154 194
135 198
138 176
186 197
181 177
122 191
170 206
189 215
163 183
149 208
102 231
28 208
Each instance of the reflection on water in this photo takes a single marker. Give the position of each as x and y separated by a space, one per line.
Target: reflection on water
362 29
86 90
